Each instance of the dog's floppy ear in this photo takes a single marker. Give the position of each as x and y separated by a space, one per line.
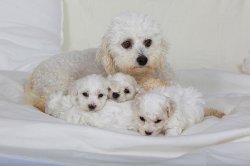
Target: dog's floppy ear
104 57
73 89
170 107
163 68
163 54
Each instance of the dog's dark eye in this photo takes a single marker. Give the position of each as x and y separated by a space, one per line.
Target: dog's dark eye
85 94
109 89
142 119
158 121
147 42
100 95
127 44
126 91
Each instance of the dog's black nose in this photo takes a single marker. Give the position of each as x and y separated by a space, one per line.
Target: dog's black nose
142 60
148 133
115 95
92 106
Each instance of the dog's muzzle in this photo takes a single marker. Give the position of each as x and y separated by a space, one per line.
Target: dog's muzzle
142 60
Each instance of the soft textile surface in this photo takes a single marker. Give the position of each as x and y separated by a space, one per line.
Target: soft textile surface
30 31
200 33
31 134
245 66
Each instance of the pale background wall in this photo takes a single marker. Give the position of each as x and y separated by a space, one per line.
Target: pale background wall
202 33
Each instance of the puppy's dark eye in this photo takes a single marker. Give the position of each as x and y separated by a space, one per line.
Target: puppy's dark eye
147 42
85 94
100 95
158 121
127 44
142 119
109 89
126 90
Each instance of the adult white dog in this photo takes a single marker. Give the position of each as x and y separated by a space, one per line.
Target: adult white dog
133 44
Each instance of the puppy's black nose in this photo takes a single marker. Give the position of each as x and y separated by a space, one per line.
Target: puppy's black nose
148 133
92 106
115 95
142 60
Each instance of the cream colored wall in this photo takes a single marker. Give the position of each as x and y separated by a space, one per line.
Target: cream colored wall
202 33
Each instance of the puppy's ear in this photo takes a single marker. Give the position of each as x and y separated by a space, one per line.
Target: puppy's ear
136 102
107 83
139 90
104 57
73 89
138 95
109 77
170 107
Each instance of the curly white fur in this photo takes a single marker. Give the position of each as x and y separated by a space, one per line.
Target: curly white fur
73 106
163 110
59 71
135 29
112 115
168 110
89 93
122 87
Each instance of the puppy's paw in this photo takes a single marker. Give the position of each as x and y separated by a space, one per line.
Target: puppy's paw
72 116
173 132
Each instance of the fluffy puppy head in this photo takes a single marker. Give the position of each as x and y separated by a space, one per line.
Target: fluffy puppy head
122 87
133 44
91 92
152 112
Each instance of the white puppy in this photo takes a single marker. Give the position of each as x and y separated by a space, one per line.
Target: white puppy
122 87
133 44
89 93
168 110
113 115
85 103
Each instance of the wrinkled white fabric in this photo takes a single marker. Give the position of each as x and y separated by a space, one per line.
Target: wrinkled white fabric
30 32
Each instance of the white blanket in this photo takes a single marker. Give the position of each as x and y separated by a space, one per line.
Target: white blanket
26 132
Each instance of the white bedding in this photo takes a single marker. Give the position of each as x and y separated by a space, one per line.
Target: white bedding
27 133
30 32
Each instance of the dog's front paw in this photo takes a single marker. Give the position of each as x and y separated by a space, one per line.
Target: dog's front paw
173 132
72 117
